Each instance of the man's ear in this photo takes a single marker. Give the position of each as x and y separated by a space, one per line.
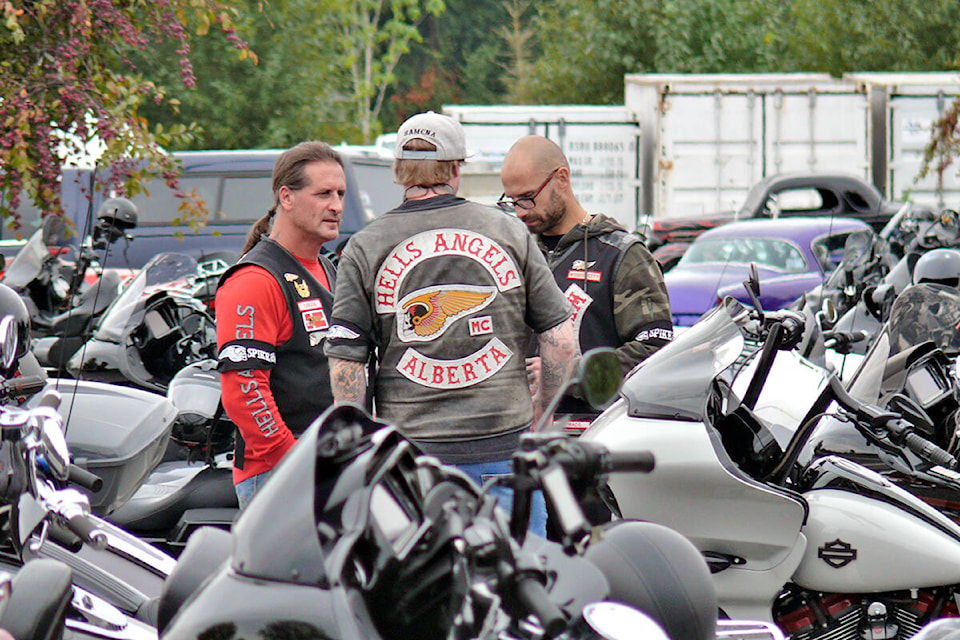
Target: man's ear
284 197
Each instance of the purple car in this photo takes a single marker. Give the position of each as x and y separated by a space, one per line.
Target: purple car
793 255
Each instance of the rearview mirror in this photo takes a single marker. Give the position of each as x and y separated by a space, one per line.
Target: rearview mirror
600 377
9 343
752 285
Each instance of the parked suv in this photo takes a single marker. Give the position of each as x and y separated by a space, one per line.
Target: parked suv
237 189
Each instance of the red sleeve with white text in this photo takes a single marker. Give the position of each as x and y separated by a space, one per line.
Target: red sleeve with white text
250 305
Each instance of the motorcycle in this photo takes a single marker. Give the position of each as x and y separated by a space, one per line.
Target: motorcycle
192 486
911 369
392 544
158 325
816 546
112 453
63 308
49 536
848 310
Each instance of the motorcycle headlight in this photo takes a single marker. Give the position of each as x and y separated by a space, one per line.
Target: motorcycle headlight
615 621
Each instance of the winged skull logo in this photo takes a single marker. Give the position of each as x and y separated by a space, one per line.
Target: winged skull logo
426 314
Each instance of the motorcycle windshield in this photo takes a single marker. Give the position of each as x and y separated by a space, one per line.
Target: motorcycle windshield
166 271
925 312
675 381
920 313
28 263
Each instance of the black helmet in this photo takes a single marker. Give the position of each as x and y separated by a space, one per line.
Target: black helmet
938 266
12 304
115 217
119 212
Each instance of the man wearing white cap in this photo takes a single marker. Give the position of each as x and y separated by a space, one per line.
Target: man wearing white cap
442 292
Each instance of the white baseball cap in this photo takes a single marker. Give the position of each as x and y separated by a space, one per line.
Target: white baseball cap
442 131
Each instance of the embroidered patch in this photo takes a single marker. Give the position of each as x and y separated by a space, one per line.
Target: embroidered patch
657 333
240 353
307 305
425 314
590 276
488 254
303 289
315 320
454 374
340 331
579 300
481 326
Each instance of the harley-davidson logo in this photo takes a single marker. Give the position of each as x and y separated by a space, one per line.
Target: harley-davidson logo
837 554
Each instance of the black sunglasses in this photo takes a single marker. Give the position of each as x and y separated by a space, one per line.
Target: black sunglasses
524 202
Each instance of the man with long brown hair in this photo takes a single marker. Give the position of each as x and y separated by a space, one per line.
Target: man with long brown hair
272 314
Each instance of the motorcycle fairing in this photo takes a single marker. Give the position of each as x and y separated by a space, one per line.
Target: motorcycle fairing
332 488
834 472
673 382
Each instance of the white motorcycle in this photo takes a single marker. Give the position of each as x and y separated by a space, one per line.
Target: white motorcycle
825 548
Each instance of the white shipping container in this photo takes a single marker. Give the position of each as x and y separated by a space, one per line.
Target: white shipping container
694 145
709 138
906 105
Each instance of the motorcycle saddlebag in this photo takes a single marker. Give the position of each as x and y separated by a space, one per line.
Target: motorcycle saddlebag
118 433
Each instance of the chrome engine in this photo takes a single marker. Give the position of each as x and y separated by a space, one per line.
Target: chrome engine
803 615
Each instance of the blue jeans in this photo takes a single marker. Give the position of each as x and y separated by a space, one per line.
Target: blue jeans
246 488
480 472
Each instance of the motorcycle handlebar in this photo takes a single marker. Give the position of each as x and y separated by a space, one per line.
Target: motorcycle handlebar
83 478
929 451
900 430
636 461
22 386
86 529
581 457
535 599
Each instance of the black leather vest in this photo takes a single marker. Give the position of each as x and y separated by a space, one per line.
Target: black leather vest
300 379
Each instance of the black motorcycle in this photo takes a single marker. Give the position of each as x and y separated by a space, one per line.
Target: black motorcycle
64 308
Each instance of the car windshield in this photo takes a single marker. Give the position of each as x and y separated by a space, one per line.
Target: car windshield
771 253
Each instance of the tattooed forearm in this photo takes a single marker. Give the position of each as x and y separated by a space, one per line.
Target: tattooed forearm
559 351
347 381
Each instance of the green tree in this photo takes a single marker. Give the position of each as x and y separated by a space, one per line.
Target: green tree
371 36
519 68
589 45
843 35
286 98
67 82
459 61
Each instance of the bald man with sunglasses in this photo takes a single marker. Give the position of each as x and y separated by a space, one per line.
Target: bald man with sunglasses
613 282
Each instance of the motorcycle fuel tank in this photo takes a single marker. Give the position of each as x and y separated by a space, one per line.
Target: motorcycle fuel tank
867 535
